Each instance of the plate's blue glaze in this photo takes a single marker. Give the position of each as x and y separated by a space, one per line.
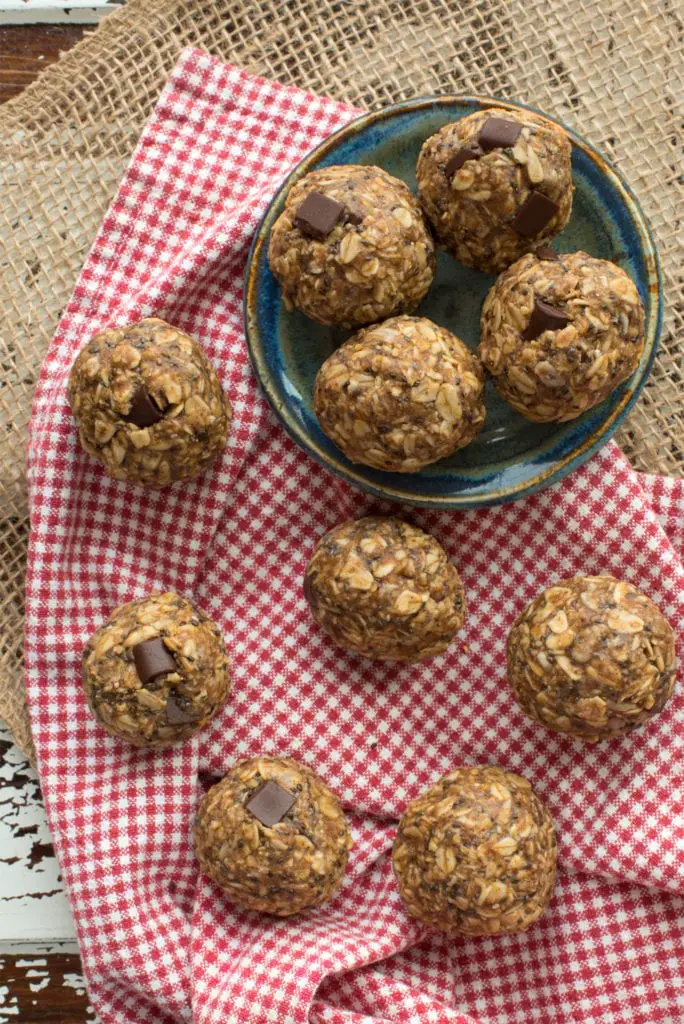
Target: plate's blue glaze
512 456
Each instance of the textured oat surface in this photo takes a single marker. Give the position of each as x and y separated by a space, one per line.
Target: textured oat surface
562 373
291 866
360 272
180 380
476 853
473 209
591 656
385 589
401 394
171 707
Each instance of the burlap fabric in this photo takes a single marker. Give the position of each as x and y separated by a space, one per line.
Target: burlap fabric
613 69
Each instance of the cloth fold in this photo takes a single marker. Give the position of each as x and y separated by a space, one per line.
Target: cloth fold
159 942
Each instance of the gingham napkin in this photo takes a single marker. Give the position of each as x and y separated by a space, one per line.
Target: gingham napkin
159 942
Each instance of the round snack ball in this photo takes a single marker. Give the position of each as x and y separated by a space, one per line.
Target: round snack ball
148 404
156 671
476 853
351 247
496 184
401 394
384 589
593 657
273 836
559 334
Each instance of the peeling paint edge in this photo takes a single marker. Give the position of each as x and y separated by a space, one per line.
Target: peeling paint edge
28 948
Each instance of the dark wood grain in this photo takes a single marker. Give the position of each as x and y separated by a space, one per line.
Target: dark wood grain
43 989
26 49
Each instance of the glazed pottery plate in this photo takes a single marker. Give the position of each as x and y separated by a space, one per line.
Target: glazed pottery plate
511 457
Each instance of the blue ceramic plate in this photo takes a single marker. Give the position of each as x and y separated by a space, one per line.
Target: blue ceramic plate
511 457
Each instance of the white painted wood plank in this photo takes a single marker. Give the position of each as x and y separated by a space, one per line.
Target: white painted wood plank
41 5
33 907
43 12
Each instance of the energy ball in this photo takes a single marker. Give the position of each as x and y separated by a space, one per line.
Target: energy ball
156 671
148 404
351 247
401 394
559 333
495 185
384 589
273 836
476 853
593 657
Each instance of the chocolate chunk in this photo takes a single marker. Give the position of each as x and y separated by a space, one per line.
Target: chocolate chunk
152 660
459 158
179 712
270 803
544 318
497 133
318 215
534 214
144 411
545 252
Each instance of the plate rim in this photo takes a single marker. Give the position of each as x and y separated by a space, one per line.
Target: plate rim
561 467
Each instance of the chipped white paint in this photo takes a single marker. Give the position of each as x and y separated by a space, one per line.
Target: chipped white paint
8 1005
33 907
55 12
76 982
11 1008
38 986
17 948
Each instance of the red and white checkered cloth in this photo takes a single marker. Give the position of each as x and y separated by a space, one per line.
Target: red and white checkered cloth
159 941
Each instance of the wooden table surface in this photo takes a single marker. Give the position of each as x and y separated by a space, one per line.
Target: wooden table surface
40 970
26 49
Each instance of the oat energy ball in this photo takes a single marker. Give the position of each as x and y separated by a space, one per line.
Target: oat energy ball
148 404
401 394
384 589
273 836
495 185
591 656
476 853
156 671
351 247
559 333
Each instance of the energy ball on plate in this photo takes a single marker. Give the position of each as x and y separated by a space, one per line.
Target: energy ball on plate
401 394
593 657
148 404
559 333
156 671
476 853
351 247
273 836
384 589
495 185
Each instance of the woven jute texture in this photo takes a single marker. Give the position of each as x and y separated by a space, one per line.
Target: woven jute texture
612 69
